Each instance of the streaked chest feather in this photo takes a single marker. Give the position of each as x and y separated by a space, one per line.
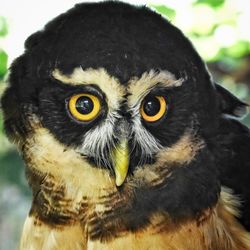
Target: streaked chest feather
216 230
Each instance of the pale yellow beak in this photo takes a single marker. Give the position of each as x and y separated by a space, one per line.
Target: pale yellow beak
120 158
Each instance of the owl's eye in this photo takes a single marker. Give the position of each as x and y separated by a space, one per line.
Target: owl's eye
84 107
153 108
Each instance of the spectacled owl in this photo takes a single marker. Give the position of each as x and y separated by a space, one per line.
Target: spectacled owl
128 141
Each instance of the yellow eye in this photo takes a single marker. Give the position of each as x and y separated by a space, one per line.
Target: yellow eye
153 108
84 107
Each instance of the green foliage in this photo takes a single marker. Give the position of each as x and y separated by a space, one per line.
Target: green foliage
3 63
237 50
3 54
212 3
164 10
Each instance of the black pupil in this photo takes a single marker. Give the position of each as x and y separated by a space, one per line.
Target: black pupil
151 106
84 105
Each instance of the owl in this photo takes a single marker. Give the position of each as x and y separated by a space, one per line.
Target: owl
128 141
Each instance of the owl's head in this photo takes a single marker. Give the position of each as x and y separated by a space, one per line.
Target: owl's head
113 97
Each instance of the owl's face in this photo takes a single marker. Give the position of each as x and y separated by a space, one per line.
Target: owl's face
113 126
111 100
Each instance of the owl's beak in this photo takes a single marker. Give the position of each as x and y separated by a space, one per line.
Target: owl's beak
120 158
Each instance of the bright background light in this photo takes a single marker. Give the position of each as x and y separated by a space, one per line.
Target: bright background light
27 16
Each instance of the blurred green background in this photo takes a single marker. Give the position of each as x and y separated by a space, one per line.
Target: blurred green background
219 31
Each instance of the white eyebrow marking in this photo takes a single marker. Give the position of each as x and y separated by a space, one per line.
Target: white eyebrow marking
108 84
139 87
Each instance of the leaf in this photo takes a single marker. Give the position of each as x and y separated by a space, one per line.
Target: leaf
238 50
212 3
164 10
3 63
